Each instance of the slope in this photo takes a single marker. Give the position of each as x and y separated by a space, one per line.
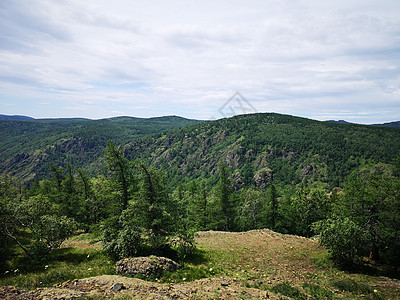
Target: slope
259 148
29 146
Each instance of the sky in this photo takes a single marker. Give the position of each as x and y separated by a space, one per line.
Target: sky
201 59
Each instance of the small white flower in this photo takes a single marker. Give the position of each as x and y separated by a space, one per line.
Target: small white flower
46 266
184 278
88 255
40 282
375 291
89 269
211 269
6 272
16 270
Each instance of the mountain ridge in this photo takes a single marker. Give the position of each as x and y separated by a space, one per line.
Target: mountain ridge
257 147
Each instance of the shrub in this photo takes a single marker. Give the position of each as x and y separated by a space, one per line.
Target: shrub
343 238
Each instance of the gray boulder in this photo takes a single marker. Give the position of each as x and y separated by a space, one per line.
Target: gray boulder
148 266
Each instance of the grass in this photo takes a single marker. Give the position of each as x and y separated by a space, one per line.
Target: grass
288 290
357 288
286 265
318 292
195 267
82 260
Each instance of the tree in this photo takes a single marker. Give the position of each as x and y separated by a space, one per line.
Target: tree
272 202
371 200
343 237
35 217
309 206
146 226
197 217
121 172
251 210
224 197
370 207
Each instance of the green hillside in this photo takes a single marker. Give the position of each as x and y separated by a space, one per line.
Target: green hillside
29 146
164 179
261 147
257 148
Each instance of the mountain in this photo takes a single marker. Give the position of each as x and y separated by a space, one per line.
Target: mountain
29 146
261 147
257 148
395 124
15 118
339 121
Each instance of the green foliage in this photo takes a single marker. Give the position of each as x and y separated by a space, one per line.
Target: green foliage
318 292
196 206
288 290
121 173
146 226
343 237
32 223
272 212
224 216
59 266
368 222
29 146
295 149
123 240
352 286
251 210
54 230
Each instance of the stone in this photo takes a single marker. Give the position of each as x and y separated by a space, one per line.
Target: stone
116 287
148 266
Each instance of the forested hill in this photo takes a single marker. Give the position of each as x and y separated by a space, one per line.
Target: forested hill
259 148
28 146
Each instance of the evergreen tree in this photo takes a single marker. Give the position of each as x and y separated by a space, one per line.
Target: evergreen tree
251 210
224 195
121 173
272 200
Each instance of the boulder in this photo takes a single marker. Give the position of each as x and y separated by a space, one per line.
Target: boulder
148 266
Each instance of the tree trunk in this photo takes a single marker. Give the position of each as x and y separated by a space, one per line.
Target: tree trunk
374 253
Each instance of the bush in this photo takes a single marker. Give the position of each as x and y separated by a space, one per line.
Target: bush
344 239
122 240
184 245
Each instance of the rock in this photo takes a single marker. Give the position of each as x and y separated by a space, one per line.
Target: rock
149 266
224 284
116 287
262 177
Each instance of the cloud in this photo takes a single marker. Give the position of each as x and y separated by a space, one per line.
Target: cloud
184 57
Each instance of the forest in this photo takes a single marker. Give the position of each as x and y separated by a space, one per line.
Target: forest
152 193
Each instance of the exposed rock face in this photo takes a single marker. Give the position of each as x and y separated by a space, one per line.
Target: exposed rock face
262 177
151 265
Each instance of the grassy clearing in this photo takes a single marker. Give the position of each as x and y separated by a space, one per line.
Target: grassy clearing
286 265
79 258
291 266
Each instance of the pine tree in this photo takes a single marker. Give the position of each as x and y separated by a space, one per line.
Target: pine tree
121 172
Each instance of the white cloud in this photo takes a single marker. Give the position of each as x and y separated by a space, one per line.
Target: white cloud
188 57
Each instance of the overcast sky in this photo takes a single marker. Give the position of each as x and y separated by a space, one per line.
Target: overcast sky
317 59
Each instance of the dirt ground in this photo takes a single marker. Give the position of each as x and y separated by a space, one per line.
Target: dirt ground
248 260
101 287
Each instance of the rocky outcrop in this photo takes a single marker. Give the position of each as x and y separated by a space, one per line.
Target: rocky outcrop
262 177
148 266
